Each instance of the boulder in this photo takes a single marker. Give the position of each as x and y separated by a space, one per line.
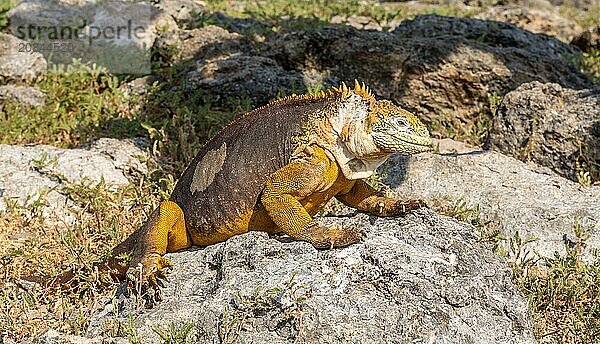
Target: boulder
40 173
422 278
92 31
17 62
553 126
438 67
24 95
258 78
185 12
506 194
212 43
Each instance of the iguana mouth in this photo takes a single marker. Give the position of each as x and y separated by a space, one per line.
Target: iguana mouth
399 145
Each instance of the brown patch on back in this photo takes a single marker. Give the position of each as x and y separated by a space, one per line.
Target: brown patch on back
207 168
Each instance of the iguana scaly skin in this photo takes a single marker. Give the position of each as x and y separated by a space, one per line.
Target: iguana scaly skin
274 169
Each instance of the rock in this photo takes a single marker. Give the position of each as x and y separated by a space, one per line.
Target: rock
259 78
359 22
185 12
422 278
511 196
54 337
553 126
16 62
212 43
434 66
226 65
451 146
24 95
139 86
546 21
93 31
588 40
39 171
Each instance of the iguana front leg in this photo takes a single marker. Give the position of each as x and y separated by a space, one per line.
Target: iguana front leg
294 182
364 198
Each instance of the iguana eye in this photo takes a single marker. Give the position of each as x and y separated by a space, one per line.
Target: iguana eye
399 122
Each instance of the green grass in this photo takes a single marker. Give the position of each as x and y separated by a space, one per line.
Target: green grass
5 6
79 101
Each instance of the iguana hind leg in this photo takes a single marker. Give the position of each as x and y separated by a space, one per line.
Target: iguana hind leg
163 232
296 181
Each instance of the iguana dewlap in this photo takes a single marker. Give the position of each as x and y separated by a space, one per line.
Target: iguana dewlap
275 168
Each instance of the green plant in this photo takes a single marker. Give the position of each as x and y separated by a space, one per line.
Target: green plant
5 6
175 333
564 294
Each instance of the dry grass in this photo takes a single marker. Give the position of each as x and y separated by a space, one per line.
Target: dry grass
35 248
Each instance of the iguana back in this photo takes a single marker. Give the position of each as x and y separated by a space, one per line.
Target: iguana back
225 179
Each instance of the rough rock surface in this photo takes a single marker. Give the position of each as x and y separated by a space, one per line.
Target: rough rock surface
259 78
588 39
511 195
551 125
25 95
212 43
422 278
55 337
185 12
546 21
225 64
30 172
18 65
431 65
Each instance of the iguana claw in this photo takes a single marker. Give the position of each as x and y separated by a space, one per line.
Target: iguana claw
148 281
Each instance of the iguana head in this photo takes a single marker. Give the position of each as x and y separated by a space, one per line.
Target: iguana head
395 130
368 131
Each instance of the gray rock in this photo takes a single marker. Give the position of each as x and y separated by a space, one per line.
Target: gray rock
55 337
588 39
29 173
212 43
185 12
139 86
259 78
423 278
435 66
16 63
25 95
552 126
92 31
511 196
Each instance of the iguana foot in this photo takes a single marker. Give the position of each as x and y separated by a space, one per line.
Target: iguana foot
148 277
327 237
392 207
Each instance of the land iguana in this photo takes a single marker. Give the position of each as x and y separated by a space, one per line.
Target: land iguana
272 170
